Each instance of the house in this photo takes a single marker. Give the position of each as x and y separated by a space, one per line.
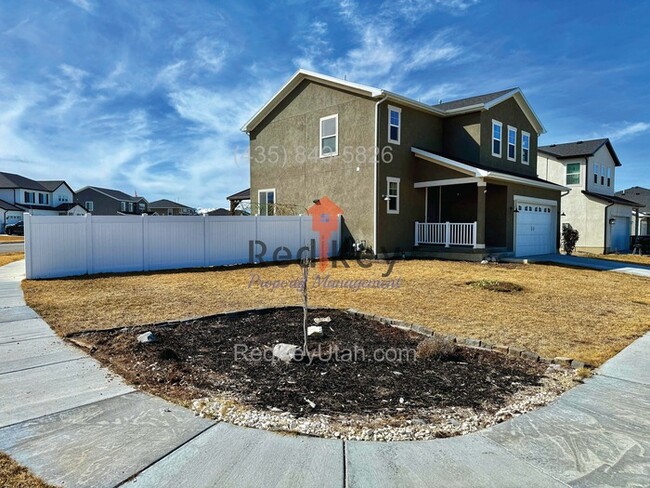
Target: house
236 200
19 194
457 179
218 212
105 201
168 207
640 215
592 207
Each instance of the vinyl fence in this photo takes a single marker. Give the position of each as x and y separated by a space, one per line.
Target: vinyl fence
69 246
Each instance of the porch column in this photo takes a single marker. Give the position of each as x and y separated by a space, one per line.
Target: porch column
481 189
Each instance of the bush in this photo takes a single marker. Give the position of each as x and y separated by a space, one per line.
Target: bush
435 348
570 237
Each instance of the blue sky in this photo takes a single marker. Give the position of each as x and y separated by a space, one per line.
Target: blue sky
149 96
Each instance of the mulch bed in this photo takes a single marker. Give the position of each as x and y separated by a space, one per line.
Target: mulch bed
197 359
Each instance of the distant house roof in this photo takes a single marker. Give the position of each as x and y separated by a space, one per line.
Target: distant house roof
579 149
218 212
612 199
240 195
116 194
64 207
8 206
464 103
164 203
636 194
10 180
52 185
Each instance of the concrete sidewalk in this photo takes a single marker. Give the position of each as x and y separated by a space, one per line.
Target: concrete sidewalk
589 263
72 423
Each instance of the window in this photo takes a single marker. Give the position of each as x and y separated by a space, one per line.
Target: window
525 147
602 174
496 138
141 206
266 199
394 124
30 197
609 176
43 199
90 206
512 144
392 195
130 207
170 211
595 174
329 135
123 206
573 174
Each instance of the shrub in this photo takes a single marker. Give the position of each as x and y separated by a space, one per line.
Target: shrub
435 348
570 237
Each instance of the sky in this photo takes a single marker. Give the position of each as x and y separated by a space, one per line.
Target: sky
149 96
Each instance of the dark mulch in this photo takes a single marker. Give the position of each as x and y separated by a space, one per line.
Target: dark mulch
197 358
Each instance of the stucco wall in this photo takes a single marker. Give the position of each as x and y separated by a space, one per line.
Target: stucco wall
602 158
462 137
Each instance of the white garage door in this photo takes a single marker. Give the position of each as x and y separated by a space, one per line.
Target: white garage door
620 229
534 229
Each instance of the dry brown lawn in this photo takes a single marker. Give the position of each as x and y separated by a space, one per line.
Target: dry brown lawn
12 475
5 238
11 257
583 314
625 258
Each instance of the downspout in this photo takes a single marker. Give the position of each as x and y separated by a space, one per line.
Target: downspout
376 176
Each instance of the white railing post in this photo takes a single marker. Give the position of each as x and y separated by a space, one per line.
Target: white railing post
474 224
447 234
417 233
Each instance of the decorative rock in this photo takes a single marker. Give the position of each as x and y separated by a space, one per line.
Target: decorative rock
531 356
563 361
500 348
575 364
287 352
320 320
515 351
485 261
315 331
473 342
147 338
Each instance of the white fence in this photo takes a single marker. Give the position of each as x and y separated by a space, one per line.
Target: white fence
68 246
446 233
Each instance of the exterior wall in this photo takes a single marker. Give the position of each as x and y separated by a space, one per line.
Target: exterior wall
602 158
421 130
7 194
618 213
508 113
462 137
293 130
62 195
9 217
103 205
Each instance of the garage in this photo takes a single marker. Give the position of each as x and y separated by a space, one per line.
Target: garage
620 232
535 228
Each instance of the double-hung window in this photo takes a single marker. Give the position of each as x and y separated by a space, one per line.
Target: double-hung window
90 206
30 197
602 174
497 137
573 174
266 199
329 136
609 176
595 174
525 147
394 124
512 144
122 206
392 195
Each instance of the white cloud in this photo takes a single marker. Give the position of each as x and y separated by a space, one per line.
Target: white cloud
83 4
416 8
629 130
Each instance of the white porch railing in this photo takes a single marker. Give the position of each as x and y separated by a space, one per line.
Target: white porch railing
446 234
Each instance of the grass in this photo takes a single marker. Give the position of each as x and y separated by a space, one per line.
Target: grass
624 258
5 238
11 257
12 475
584 314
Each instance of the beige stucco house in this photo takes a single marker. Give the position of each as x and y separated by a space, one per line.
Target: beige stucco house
588 168
455 179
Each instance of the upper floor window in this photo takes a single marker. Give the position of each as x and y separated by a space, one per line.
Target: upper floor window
609 176
266 200
90 206
602 174
392 195
595 174
43 199
497 137
123 206
573 174
329 135
394 124
512 143
30 197
525 147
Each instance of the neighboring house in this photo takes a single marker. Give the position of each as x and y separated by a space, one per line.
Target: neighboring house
168 207
218 212
105 201
237 199
19 194
457 177
588 168
641 215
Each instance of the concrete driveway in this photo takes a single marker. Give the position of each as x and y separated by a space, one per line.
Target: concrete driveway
591 263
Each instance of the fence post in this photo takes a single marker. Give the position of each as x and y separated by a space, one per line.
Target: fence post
447 234
474 224
88 225
417 233
205 241
145 242
27 220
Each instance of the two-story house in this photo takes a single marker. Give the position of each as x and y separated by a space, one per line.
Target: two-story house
455 178
19 194
169 207
588 168
106 201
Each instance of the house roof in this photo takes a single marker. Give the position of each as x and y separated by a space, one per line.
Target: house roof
10 180
218 212
8 206
612 199
67 206
52 185
164 203
475 171
116 194
241 195
481 102
636 194
579 149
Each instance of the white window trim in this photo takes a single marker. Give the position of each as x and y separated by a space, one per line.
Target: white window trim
389 180
566 173
399 126
596 173
336 134
492 139
259 205
525 134
511 129
90 206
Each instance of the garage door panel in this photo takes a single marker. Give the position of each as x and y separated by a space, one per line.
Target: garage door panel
534 229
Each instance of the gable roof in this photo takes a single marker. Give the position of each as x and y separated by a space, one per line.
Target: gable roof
8 206
10 180
579 149
472 104
116 194
164 203
612 199
636 194
52 185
